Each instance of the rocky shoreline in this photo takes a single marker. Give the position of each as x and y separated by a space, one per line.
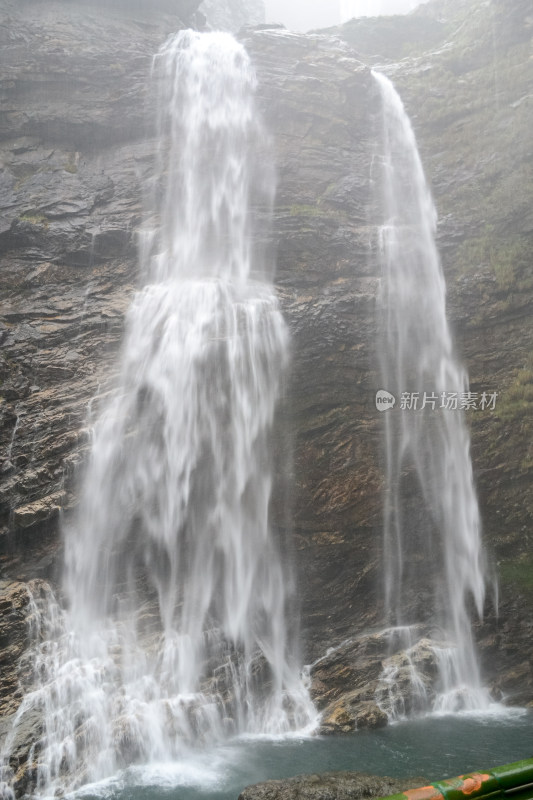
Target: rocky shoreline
338 785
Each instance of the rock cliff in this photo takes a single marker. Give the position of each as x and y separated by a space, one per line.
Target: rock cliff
76 142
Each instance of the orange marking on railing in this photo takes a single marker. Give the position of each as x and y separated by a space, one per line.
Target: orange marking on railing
472 783
425 793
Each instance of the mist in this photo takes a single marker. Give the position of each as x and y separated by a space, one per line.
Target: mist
304 15
375 8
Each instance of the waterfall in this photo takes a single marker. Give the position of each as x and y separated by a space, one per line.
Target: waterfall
434 564
178 631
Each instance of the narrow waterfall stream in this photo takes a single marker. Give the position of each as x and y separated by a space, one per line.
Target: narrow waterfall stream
434 570
177 633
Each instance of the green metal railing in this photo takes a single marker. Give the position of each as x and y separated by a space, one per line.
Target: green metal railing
513 782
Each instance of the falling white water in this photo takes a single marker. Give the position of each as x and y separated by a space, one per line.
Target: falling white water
177 633
12 440
434 563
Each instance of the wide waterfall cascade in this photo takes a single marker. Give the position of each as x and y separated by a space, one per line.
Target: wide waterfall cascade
434 563
178 631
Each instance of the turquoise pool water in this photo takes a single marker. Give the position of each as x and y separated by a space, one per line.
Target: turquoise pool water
430 748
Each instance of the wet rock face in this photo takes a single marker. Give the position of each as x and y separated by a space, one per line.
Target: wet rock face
76 144
14 637
20 630
74 149
74 73
375 677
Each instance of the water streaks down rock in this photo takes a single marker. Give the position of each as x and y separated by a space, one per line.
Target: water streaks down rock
417 360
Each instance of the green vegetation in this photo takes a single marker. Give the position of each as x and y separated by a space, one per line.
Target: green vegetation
510 259
23 173
324 211
35 219
517 401
393 37
518 574
305 211
71 164
515 410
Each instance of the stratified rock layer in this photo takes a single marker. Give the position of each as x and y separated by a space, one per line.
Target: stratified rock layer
14 636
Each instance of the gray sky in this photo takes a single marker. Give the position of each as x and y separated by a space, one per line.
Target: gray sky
302 15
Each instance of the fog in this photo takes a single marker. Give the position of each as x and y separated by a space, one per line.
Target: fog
304 15
374 8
